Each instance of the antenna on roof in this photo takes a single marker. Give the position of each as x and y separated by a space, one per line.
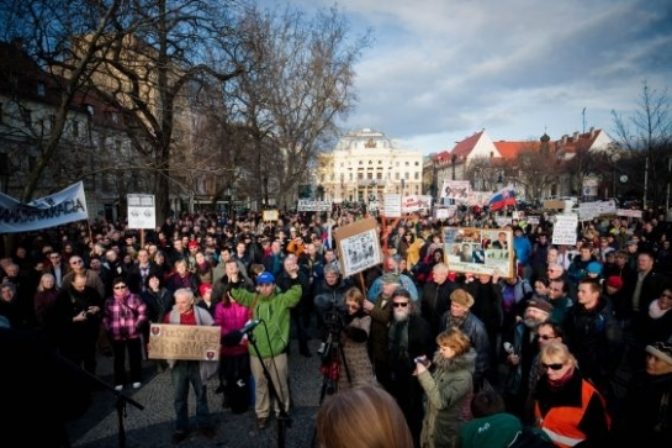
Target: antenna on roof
583 113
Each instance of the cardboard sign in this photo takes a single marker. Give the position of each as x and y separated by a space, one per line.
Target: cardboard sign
358 246
392 205
446 212
270 215
184 342
479 251
455 189
141 211
591 210
553 204
564 230
307 205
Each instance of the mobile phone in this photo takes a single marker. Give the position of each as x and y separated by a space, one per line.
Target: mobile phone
421 360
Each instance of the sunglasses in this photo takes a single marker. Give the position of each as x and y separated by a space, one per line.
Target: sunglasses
555 366
400 304
120 287
76 262
546 337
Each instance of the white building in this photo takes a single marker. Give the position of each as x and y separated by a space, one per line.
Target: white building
366 164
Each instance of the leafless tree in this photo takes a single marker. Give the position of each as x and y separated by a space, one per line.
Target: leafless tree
300 81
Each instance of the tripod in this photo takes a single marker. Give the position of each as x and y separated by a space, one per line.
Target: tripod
330 369
284 421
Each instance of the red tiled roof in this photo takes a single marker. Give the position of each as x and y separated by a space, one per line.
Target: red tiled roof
510 150
580 142
464 148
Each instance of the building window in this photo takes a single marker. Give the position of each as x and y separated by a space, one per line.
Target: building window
417 176
370 162
396 176
379 175
407 175
350 176
361 162
417 163
380 162
342 164
369 175
406 163
417 189
360 176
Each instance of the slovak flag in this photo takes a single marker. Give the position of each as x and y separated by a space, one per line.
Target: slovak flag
505 196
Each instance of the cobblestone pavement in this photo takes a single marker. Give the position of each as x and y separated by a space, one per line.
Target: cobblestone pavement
153 427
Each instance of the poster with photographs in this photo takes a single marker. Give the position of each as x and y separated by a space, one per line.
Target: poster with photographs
358 246
479 251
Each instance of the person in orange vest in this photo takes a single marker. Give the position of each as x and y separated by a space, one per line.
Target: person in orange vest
567 407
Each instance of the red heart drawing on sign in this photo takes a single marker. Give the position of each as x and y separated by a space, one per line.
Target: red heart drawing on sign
156 331
210 354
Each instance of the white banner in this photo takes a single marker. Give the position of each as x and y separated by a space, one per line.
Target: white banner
564 229
629 213
445 212
307 205
456 189
392 205
416 203
591 210
141 211
66 206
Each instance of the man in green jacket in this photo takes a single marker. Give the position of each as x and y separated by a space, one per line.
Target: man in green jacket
272 337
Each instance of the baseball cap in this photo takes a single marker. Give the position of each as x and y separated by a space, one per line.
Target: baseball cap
265 278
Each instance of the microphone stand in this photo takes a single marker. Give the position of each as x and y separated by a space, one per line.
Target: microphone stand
121 398
284 421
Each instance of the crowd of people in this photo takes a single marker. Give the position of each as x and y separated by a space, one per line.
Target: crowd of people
574 349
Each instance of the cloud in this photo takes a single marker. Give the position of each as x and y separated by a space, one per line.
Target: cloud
443 69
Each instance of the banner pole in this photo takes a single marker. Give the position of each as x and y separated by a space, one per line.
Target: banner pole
142 238
361 280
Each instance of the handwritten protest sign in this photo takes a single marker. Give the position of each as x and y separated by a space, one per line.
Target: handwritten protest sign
479 251
270 215
629 213
392 205
358 246
564 230
184 342
307 205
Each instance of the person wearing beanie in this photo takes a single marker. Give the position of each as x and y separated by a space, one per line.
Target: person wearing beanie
205 298
460 316
648 413
615 293
594 270
491 426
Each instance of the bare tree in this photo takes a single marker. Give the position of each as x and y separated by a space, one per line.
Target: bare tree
44 29
300 81
648 129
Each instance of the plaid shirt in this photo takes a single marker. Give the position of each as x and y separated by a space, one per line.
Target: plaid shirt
124 318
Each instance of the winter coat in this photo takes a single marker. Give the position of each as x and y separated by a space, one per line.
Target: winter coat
448 390
274 311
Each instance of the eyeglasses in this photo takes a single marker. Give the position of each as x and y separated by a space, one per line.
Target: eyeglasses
555 366
76 262
120 287
546 337
400 304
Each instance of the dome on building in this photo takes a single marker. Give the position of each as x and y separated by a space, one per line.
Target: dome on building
364 139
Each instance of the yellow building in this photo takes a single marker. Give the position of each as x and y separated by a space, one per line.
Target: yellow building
366 164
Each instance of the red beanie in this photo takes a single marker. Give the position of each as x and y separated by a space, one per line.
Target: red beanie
615 282
205 287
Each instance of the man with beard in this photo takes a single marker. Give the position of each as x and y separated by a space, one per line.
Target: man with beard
521 353
460 316
409 337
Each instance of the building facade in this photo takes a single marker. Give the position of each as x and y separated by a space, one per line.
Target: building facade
365 165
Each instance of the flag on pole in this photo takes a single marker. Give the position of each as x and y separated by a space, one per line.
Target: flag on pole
504 197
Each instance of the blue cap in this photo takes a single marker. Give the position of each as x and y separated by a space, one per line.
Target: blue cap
594 267
265 278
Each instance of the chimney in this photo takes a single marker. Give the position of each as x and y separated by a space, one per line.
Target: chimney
563 139
576 136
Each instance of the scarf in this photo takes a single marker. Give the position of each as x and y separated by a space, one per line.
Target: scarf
398 337
559 383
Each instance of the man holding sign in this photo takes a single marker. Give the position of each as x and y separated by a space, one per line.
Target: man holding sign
189 372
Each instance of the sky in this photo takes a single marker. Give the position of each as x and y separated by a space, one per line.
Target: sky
439 70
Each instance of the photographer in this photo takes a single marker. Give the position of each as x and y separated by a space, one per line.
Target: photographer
329 295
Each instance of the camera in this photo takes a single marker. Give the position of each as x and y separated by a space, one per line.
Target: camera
422 360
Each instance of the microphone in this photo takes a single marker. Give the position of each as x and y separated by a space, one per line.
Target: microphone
249 326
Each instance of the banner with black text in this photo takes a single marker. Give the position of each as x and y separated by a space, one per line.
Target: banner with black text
66 206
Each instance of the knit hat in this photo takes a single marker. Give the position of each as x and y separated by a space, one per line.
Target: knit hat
540 303
615 282
203 288
462 297
661 350
192 244
594 267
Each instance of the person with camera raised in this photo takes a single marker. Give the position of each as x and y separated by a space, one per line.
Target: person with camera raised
329 297
272 307
285 281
